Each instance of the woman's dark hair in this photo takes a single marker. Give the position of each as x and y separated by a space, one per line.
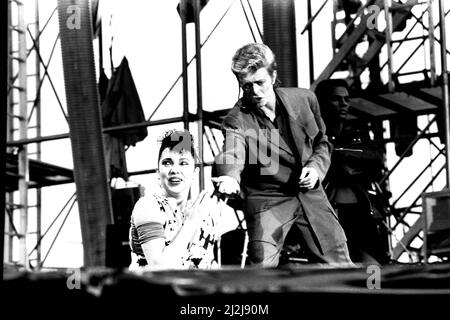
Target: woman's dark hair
177 140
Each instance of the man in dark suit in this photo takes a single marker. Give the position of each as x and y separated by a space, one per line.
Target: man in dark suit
357 163
275 155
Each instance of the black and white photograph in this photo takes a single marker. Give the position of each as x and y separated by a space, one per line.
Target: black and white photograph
225 159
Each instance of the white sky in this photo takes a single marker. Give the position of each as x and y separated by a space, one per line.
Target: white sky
148 33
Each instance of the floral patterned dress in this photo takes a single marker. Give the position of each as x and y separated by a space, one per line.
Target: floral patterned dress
198 254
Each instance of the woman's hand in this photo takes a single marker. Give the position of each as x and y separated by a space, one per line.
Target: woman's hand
201 207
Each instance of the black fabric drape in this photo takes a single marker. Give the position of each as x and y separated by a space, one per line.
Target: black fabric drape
121 106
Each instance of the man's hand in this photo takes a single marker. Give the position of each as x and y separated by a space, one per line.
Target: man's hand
308 178
227 185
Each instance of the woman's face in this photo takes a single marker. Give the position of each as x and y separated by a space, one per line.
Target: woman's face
176 172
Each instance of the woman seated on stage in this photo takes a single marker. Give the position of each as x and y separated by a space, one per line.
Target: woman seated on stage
168 230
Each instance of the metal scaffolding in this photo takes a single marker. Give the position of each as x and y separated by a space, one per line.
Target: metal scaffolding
24 169
394 99
18 126
424 99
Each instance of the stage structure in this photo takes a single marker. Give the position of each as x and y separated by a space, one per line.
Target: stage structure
372 44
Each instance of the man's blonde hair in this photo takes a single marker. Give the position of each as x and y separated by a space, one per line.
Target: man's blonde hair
251 57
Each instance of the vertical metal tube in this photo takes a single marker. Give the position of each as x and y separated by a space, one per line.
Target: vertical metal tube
23 132
7 246
333 27
85 124
38 128
280 35
431 40
3 134
310 46
183 12
445 97
198 65
388 33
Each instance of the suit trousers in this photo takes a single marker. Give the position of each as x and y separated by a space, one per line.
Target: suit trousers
268 229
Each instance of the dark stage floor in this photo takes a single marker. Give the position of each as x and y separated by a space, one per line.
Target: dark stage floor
234 293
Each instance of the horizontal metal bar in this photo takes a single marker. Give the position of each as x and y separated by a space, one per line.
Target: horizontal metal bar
410 73
14 205
149 171
410 39
16 103
11 234
140 172
18 88
105 130
16 29
18 2
15 116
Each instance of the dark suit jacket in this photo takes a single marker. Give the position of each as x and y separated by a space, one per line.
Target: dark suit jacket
268 169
